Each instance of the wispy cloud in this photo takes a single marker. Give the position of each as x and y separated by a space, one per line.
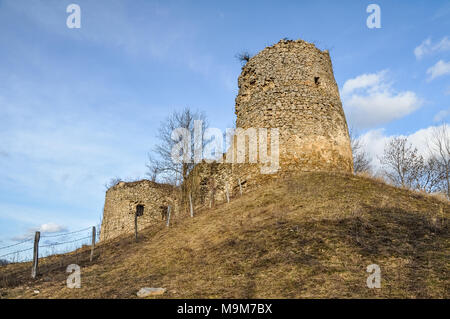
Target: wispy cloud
442 12
439 69
156 33
67 129
110 25
441 115
61 150
48 228
370 100
428 47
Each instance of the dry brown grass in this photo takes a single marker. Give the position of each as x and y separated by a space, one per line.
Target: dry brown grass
307 236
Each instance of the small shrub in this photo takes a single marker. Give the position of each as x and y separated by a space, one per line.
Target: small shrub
243 57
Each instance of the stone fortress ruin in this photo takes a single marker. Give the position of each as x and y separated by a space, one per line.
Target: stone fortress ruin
289 86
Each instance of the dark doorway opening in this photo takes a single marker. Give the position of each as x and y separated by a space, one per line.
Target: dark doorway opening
139 210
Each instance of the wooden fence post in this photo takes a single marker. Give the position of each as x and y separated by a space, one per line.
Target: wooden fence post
168 216
135 227
211 199
190 203
240 186
34 269
93 243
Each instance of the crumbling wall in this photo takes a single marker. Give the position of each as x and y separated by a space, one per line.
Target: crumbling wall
208 182
122 199
291 86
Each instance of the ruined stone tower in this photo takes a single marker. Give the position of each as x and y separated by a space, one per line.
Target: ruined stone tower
291 86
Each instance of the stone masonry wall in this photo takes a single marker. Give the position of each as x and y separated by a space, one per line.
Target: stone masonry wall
208 182
122 199
291 86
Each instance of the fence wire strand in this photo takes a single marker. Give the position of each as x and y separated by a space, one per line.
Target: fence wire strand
63 256
47 245
22 242
65 234
16 252
66 242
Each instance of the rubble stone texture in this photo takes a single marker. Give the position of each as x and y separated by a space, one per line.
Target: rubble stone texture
289 86
121 202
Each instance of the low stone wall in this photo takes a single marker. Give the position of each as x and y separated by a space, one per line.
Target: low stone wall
121 202
209 182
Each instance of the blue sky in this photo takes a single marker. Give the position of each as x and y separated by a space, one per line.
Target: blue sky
79 106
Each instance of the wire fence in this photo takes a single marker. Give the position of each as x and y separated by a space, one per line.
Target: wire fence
48 245
60 251
65 234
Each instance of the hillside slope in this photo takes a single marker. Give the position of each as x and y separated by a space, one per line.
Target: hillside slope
308 236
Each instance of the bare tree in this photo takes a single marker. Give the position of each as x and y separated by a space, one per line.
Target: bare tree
430 176
361 160
439 146
401 163
152 168
161 165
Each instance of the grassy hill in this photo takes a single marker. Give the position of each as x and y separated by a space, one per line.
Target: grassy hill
307 236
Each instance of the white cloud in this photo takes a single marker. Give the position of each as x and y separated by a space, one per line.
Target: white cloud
422 49
44 229
441 115
427 47
375 140
363 81
52 228
370 100
439 69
